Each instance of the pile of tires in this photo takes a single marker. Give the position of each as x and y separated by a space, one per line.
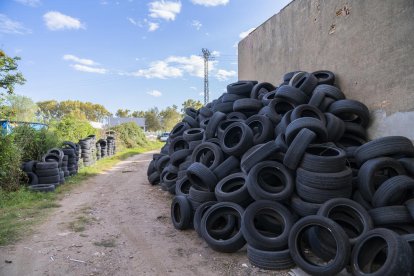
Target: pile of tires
87 151
102 145
290 172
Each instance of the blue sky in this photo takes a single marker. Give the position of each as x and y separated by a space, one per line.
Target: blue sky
130 54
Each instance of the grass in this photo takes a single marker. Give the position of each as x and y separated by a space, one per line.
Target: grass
22 209
105 243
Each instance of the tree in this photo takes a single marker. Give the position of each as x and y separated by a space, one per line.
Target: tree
49 110
21 108
170 117
77 109
123 113
9 76
152 119
138 114
191 103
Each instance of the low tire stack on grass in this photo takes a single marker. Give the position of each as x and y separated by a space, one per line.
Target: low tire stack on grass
289 171
49 176
69 149
86 154
56 155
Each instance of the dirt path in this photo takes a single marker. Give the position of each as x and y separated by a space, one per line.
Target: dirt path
117 224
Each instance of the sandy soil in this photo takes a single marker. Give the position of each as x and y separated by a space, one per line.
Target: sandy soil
117 224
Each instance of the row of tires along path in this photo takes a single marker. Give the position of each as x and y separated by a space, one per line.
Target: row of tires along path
60 163
289 171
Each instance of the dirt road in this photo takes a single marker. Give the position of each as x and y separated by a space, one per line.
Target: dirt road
117 224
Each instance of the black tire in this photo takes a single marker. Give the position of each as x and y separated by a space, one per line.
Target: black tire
385 146
288 76
353 217
408 164
343 247
269 237
211 128
284 122
42 188
198 215
262 128
355 129
232 243
324 158
395 250
270 260
224 124
192 112
270 180
394 191
236 115
303 208
298 147
271 114
201 177
390 215
335 127
311 123
317 99
193 134
261 88
49 179
223 107
318 195
56 151
237 139
281 142
176 144
29 166
281 105
230 98
200 195
206 112
306 110
179 156
368 183
257 154
161 163
233 188
209 154
241 88
178 129
154 178
181 213
351 111
247 105
46 165
292 94
268 97
47 172
410 207
306 82
357 197
182 186
330 91
324 77
228 166
32 179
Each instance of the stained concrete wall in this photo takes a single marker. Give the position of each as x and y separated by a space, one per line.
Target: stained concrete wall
369 44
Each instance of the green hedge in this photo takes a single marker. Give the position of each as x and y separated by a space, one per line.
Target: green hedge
10 160
130 135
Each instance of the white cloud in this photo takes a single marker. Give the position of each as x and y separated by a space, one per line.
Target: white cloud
210 3
193 88
166 10
215 53
152 26
174 67
196 24
83 61
223 75
9 26
58 21
30 3
88 69
154 93
246 33
159 70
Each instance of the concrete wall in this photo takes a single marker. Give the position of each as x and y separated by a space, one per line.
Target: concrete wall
369 44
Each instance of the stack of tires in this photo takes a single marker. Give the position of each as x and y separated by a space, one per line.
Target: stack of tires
56 155
49 176
93 148
289 171
86 151
28 168
69 150
98 151
110 145
103 146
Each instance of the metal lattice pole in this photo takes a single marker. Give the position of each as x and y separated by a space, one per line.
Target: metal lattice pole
206 56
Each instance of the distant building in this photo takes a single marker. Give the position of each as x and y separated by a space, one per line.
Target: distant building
114 121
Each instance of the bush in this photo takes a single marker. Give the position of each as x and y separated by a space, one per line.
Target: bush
34 143
129 135
71 129
10 156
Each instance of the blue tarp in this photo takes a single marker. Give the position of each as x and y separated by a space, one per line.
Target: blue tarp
7 126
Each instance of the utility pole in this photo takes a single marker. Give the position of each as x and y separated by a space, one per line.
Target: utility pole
207 57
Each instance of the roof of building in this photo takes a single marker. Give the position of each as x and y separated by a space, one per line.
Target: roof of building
114 121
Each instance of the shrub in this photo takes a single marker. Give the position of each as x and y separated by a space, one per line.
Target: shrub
10 156
71 129
34 143
129 135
